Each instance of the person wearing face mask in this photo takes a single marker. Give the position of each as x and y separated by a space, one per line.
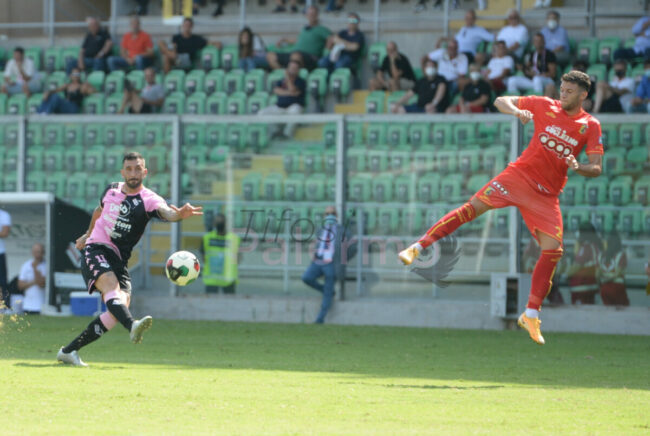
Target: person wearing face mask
475 96
291 96
615 96
452 65
641 101
346 46
431 91
556 37
221 256
540 69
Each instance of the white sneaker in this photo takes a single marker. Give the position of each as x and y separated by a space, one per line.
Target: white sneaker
70 358
139 327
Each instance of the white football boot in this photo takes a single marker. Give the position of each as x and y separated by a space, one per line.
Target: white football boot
139 327
70 358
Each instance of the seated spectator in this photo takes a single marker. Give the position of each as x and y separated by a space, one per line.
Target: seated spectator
136 50
470 36
641 101
583 283
73 95
452 65
20 75
31 280
95 49
398 68
308 48
291 96
540 69
252 52
431 91
615 96
641 31
148 101
183 49
475 97
612 263
515 35
280 6
346 46
500 67
557 38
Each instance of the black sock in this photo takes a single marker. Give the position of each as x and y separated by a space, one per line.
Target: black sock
94 331
120 312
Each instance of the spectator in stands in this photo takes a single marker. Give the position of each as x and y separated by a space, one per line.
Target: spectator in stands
20 75
308 48
398 68
73 95
136 50
515 34
252 52
148 101
500 67
582 273
280 6
612 263
220 250
556 38
5 229
641 31
291 96
95 49
540 69
615 96
346 46
470 36
641 101
452 65
31 280
475 97
183 49
431 91
335 5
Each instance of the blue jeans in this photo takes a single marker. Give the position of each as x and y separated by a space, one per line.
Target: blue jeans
96 64
344 61
119 63
55 104
314 271
250 63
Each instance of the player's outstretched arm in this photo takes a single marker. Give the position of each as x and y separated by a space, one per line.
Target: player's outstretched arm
591 169
173 213
508 105
81 242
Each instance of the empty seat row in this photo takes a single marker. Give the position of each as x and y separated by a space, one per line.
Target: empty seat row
619 191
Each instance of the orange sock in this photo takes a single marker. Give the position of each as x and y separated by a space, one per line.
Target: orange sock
542 277
448 224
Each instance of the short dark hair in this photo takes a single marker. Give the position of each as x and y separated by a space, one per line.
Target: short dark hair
132 155
554 12
189 19
355 15
294 61
579 78
19 50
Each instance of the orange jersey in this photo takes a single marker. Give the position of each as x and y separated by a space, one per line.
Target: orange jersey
556 136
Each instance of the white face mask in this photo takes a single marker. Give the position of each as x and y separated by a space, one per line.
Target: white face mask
552 24
474 75
430 71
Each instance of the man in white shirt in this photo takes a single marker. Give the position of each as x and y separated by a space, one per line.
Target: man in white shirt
500 67
20 75
556 37
540 69
470 36
5 228
32 280
452 65
515 34
615 96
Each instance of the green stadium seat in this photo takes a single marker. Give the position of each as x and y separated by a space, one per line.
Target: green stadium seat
11 134
35 182
645 224
609 135
273 77
505 133
157 159
377 159
428 188
597 73
614 161
447 160
94 104
73 159
193 134
464 133
629 221
17 105
356 158
251 186
574 219
72 134
133 135
254 81
312 159
606 49
194 81
236 103
195 103
354 134
441 134
9 181
329 135
376 55
112 104
330 162
34 158
174 103
229 57
450 188
96 184
114 82
573 192
412 220
195 157
405 188
603 220
375 102
33 103
153 134
400 160
3 104
494 159
93 134
387 220
528 131
236 134
272 186
294 187
340 83
96 80
257 101
94 160
488 133
501 220
424 160
376 134
55 183
161 184
53 158
216 135
317 83
234 81
209 58
113 134
587 50
213 82
218 154
34 134
419 134
636 159
630 134
596 191
76 186
397 134
34 53
642 190
476 182
468 159
53 59
136 77
174 81
69 53
360 188
620 190
113 160
216 103
291 158
369 219
315 187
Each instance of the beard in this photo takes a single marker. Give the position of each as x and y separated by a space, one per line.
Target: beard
570 105
133 183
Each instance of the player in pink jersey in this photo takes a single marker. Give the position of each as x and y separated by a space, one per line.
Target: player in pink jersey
116 227
534 181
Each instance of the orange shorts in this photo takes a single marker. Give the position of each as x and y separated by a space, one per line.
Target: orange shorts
540 210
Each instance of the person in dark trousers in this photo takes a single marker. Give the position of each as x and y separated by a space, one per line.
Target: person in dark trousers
95 49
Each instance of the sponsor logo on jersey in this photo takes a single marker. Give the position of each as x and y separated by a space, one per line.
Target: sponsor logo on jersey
561 149
561 134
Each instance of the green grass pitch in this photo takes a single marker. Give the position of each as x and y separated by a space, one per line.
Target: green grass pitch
209 378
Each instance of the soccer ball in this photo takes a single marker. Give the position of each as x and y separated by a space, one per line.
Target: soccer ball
182 268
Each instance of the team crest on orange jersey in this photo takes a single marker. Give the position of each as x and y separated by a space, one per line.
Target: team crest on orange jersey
583 129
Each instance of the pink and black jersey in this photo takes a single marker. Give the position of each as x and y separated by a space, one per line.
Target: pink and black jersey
124 218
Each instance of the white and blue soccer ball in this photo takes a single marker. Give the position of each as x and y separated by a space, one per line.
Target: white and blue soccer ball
182 268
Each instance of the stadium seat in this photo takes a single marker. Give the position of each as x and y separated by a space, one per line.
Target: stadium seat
11 134
464 133
360 188
96 80
412 220
17 104
112 104
53 158
194 81
96 184
400 160
229 57
573 192
329 135
447 160
376 134
93 134
94 160
136 77
441 134
375 102
645 224
113 134
397 134
291 158
405 188
450 188
35 181
9 181
609 135
195 103
574 218
468 159
257 101
500 221
209 58
528 131
257 136
72 134
236 103
597 73
630 134
34 134
94 104
394 97
55 183
69 53
254 81
193 134
174 81
34 53
315 187
356 157
237 136
76 186
153 134
174 103
3 104
629 221
428 188
642 190
34 158
424 160
195 157
272 186
376 55
419 134
233 81
53 59
340 83
494 159
218 154
636 159
213 82
157 158
505 133
73 159
317 84
596 191
113 159
133 134
587 50
387 220
377 159
294 187
216 135
330 162
33 103
476 182
273 77
216 103
614 161
487 133
354 134
161 184
606 49
620 190
603 220
312 159
114 82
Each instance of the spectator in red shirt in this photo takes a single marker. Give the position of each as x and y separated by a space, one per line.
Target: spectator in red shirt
136 50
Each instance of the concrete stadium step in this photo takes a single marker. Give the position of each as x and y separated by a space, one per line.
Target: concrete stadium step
358 105
309 133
